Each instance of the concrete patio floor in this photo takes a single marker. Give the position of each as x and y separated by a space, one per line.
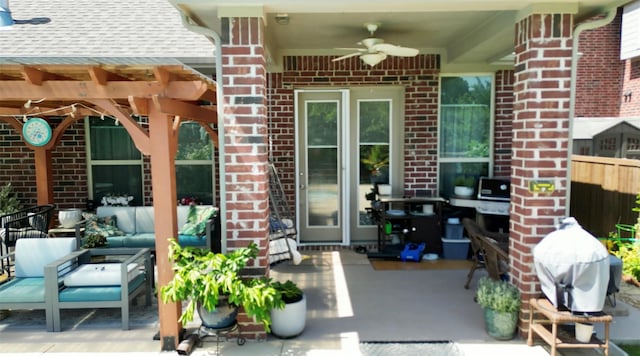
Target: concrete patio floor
348 303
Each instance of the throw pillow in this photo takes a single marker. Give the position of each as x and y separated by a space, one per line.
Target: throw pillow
197 220
104 226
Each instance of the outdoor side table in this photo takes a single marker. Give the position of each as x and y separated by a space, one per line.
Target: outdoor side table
554 317
63 231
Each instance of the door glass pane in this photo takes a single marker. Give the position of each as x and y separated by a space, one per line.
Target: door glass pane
322 123
323 189
374 120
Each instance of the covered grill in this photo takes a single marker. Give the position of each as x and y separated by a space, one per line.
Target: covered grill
573 268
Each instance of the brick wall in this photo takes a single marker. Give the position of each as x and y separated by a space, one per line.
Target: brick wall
600 72
630 105
419 76
69 166
503 120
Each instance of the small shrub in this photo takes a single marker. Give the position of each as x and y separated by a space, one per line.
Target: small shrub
500 296
629 253
8 201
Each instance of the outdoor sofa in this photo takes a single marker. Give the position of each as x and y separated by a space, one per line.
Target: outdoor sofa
133 226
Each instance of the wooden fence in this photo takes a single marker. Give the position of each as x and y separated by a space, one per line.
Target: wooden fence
603 192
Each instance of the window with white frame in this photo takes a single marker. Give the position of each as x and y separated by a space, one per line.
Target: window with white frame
116 166
465 130
194 165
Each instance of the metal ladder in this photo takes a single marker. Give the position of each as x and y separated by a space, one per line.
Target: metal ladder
280 215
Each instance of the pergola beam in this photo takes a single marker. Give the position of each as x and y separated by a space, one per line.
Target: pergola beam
61 90
102 77
186 110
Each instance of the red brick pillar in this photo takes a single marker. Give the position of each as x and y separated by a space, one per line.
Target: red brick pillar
540 140
245 140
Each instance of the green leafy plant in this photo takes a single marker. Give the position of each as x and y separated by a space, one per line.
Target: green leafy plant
377 159
629 253
202 276
289 291
94 241
464 181
8 201
500 296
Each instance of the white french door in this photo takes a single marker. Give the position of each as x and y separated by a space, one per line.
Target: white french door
338 133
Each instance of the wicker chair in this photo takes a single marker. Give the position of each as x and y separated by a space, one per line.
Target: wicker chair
30 222
478 237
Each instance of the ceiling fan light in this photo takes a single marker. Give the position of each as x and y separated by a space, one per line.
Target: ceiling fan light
373 58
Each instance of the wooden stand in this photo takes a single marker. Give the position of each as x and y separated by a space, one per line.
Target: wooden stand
556 318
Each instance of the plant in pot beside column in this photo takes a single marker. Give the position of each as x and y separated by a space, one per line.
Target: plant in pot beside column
463 186
289 321
500 301
213 285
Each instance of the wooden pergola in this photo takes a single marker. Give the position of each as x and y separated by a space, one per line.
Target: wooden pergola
166 94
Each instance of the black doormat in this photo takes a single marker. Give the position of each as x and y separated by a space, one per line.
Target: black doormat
409 348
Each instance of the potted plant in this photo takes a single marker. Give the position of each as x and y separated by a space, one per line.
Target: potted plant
289 321
501 303
463 186
212 284
377 162
94 241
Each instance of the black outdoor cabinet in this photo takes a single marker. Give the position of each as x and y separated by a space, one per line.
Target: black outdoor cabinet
427 229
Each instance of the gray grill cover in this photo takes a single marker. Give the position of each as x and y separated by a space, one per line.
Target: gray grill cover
573 268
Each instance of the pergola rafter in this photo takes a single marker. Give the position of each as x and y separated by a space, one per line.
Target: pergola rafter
166 94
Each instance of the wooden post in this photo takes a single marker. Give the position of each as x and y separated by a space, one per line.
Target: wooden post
163 179
44 175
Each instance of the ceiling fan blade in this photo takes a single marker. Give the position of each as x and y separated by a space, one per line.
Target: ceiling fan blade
394 50
346 56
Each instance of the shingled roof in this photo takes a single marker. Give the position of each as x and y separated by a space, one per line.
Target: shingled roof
63 31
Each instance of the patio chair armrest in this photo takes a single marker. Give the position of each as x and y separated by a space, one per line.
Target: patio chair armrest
7 255
53 271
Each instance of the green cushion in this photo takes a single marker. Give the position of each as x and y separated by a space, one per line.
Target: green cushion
95 294
23 290
191 240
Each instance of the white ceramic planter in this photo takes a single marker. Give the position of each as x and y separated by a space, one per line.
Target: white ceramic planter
69 217
290 321
461 191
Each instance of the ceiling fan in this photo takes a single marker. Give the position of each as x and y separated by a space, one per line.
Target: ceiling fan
376 50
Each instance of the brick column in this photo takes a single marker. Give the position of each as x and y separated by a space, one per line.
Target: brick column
245 140
540 140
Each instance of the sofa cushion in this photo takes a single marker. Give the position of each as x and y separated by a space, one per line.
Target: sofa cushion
191 240
23 290
93 294
99 274
125 216
145 221
140 240
31 255
116 241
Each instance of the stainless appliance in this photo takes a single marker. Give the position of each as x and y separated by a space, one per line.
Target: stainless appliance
492 207
573 268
